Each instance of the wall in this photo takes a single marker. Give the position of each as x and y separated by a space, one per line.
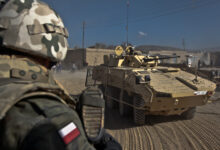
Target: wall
84 57
75 56
95 56
215 58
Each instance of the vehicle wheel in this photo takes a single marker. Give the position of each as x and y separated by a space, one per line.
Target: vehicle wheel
189 114
139 114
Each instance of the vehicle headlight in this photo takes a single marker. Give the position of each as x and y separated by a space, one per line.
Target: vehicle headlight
142 79
147 78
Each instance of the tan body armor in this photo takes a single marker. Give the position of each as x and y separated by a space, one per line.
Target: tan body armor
13 91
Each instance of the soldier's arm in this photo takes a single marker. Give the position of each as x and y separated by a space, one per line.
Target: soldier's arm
91 109
41 123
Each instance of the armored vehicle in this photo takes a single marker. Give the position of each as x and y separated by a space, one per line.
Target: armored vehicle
137 85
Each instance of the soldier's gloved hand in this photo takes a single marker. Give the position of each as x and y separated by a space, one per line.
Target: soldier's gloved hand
91 109
107 142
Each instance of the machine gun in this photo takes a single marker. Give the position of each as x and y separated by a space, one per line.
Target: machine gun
131 58
152 61
158 58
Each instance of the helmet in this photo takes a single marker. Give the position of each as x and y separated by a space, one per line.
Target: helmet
32 27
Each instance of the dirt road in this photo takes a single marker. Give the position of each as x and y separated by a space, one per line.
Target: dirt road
160 133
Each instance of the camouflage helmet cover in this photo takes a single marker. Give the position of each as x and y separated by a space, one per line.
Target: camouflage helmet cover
32 27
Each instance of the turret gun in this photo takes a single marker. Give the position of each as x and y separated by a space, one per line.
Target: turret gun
131 58
147 59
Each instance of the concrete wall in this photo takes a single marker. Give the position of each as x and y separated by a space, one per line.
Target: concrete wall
215 58
95 56
206 58
74 56
83 57
194 57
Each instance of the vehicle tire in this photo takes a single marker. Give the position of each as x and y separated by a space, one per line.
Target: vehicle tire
189 114
138 114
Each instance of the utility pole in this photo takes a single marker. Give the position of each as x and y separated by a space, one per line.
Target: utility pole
184 44
83 35
83 46
128 4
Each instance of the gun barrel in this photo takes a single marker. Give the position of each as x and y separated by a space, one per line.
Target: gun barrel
152 59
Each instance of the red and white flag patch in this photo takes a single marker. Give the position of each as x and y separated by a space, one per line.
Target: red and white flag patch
69 133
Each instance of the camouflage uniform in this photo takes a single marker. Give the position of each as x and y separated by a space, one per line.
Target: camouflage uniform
31 26
34 109
35 112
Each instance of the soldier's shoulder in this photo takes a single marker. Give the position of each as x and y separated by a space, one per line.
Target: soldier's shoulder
36 117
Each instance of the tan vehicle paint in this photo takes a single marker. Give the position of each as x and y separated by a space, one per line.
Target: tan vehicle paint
136 81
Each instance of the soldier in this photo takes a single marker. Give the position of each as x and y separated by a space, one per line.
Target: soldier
35 112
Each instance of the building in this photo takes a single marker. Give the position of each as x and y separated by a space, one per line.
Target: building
74 56
215 58
93 57
85 57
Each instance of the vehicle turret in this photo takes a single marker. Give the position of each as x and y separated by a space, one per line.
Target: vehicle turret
132 58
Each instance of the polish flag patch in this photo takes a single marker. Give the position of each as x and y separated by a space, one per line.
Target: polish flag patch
69 133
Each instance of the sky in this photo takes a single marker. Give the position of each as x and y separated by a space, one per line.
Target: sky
150 22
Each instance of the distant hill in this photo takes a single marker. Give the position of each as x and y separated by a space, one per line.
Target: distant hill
213 49
144 48
147 48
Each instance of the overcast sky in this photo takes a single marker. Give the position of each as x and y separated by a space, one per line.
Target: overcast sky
152 22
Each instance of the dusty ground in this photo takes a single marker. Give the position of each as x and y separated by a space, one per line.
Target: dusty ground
168 133
73 82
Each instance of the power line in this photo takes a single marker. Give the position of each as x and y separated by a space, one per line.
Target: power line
175 11
184 44
170 12
168 9
152 10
